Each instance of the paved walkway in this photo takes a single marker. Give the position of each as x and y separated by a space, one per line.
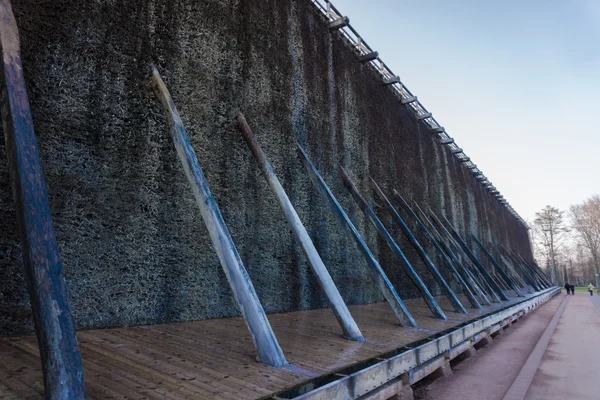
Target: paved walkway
570 367
557 359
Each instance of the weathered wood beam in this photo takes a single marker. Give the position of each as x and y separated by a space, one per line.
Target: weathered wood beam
447 141
53 321
262 334
363 58
496 265
339 23
456 304
412 274
336 302
528 279
421 117
476 261
459 278
438 130
456 151
391 80
377 273
408 100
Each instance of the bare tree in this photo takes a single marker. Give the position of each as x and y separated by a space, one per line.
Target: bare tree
585 220
549 233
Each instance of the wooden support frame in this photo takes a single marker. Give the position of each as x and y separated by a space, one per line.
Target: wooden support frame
377 273
456 304
536 281
468 276
501 272
391 80
262 334
416 279
338 23
456 151
409 100
483 284
349 327
364 58
490 279
52 317
466 287
437 130
447 141
421 117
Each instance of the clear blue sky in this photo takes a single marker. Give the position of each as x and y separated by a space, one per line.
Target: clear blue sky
516 83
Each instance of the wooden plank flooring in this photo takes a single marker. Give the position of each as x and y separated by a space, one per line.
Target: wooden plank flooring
215 359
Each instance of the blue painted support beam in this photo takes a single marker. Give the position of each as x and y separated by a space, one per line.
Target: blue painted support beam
535 270
468 276
496 265
534 280
336 301
490 279
377 273
458 307
524 274
512 270
52 318
264 339
368 211
445 258
475 272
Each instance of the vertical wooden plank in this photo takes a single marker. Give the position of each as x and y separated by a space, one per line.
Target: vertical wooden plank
340 309
458 307
466 288
379 276
262 334
54 324
368 211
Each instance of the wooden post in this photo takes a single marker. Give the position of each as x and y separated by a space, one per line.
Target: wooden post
458 307
504 275
535 269
264 339
368 211
445 258
379 276
54 324
53 321
340 309
477 263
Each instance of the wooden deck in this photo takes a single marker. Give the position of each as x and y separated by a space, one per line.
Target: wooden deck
215 359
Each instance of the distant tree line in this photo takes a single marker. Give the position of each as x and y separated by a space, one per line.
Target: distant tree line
567 243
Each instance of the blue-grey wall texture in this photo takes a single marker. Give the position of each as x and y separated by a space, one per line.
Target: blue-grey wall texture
133 243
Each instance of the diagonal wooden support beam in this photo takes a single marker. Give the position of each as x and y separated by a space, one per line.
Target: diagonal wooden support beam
264 339
474 272
368 211
544 283
439 237
379 276
336 302
492 282
537 282
466 287
52 318
496 265
523 275
458 307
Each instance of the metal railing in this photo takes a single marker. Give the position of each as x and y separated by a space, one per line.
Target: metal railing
368 56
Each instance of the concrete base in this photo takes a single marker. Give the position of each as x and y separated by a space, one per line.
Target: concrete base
444 370
470 352
405 394
486 341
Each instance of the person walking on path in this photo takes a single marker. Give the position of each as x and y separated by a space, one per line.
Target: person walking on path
568 288
572 289
591 289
